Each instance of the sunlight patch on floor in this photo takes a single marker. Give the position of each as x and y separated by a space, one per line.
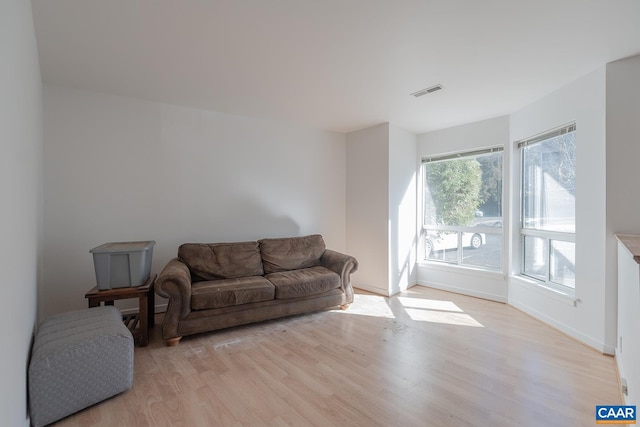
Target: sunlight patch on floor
437 311
417 309
370 305
430 304
446 317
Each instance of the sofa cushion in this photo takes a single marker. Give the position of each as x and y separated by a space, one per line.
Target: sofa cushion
307 281
228 292
211 261
291 253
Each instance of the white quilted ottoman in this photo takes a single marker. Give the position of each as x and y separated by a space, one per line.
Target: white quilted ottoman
78 359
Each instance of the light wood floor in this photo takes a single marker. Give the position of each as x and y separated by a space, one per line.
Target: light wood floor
423 358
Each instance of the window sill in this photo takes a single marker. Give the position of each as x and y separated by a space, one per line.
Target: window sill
462 269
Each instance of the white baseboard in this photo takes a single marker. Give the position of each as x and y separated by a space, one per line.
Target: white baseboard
585 339
378 291
464 291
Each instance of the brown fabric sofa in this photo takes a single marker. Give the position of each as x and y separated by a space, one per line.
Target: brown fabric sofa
212 286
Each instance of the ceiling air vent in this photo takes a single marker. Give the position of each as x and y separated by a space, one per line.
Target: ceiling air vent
427 90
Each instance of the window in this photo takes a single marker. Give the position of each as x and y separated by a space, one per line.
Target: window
548 199
462 209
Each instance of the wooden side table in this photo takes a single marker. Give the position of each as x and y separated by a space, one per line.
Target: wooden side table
138 324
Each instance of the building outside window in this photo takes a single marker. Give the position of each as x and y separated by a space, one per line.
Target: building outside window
547 223
462 209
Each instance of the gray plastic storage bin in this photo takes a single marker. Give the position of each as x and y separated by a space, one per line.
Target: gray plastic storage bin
122 264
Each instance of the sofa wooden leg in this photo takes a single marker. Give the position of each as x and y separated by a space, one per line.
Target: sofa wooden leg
345 306
171 342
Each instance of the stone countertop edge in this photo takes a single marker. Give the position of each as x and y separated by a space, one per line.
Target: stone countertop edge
632 243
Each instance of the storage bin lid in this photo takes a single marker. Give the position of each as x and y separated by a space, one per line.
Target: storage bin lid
114 247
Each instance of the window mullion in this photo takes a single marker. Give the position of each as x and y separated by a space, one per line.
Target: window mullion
547 244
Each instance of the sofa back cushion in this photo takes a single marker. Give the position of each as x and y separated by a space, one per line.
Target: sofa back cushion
291 253
212 261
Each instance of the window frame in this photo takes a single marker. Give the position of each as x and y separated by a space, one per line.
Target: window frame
547 235
459 230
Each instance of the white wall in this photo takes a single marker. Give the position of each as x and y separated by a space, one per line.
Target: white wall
20 190
623 205
381 207
402 209
623 145
483 134
623 173
122 169
367 207
582 101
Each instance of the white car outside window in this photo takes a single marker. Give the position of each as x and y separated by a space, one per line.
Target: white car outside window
444 240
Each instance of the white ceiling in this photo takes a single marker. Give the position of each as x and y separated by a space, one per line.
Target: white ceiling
339 65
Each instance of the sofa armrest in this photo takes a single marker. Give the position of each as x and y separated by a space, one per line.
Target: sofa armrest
174 283
343 265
